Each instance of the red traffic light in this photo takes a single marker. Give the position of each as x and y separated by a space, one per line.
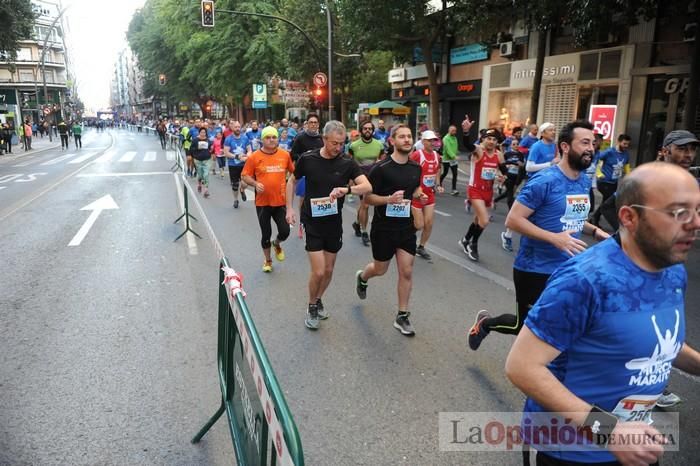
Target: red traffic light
207 13
319 92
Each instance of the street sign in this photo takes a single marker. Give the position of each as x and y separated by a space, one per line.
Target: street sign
259 95
603 119
320 79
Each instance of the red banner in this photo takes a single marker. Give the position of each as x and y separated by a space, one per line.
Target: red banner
603 119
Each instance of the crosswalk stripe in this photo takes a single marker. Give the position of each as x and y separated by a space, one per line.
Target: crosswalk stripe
58 159
83 158
107 157
170 155
150 157
128 157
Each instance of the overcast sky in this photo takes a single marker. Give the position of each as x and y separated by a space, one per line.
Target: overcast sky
97 33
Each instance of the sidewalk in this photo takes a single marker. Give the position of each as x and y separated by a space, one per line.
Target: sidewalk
39 144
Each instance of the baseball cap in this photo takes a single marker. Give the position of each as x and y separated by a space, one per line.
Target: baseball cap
680 137
427 134
268 131
543 127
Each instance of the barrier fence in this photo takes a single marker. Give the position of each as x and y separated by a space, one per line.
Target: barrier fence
261 425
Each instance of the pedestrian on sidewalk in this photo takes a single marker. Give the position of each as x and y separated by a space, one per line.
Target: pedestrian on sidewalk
200 152
27 135
63 132
77 134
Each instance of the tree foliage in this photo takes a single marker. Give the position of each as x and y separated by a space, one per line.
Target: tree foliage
17 20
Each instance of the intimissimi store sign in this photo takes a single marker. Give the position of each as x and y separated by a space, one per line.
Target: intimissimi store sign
559 69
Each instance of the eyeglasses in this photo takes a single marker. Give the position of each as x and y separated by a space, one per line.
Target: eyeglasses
682 215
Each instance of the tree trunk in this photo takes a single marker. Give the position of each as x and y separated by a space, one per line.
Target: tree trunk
539 67
691 104
433 85
343 106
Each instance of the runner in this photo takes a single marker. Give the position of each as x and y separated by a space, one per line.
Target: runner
266 169
328 175
543 153
450 147
254 136
307 140
77 134
550 213
236 150
598 349
424 212
614 162
514 161
366 152
395 182
200 151
217 151
486 161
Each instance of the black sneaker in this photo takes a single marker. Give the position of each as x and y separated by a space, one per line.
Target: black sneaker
311 320
322 314
356 227
463 244
361 285
477 332
365 238
235 204
403 325
243 196
420 250
473 252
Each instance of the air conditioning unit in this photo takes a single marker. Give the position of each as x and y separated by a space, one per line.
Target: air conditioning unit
505 49
690 32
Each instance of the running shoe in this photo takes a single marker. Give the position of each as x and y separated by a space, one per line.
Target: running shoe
279 252
477 332
365 238
473 252
243 196
361 285
506 243
668 399
235 204
403 325
463 244
322 314
356 227
311 320
267 266
420 250
455 192
199 187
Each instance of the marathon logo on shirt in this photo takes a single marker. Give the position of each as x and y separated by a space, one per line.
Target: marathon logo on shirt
657 368
275 169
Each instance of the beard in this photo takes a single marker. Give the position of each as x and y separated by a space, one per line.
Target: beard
577 162
655 249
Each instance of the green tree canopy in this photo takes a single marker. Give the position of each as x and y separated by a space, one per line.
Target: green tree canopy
17 20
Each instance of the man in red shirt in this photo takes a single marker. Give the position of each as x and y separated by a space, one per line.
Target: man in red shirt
424 211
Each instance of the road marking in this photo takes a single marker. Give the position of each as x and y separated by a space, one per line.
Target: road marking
90 175
170 155
2 187
8 178
58 159
444 214
150 157
30 177
83 158
191 243
128 157
107 157
103 203
24 164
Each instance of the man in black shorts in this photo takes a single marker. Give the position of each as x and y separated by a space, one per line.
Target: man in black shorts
395 181
328 174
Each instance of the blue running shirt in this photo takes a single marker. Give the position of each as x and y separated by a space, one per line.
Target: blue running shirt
559 204
618 328
237 146
614 163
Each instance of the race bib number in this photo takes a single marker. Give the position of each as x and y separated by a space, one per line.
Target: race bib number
488 173
202 145
429 181
576 213
617 171
636 408
399 210
513 169
323 207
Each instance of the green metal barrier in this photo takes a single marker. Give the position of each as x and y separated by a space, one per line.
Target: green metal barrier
262 427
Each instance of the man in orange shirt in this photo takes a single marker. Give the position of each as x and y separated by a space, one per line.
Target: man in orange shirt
266 170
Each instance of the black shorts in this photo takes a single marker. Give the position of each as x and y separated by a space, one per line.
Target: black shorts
385 243
234 173
328 238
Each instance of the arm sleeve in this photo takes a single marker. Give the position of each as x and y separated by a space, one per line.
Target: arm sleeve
564 310
532 167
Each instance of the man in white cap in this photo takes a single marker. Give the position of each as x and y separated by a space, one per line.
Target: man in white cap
543 153
424 210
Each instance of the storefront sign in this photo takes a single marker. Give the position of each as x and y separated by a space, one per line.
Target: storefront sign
418 54
295 95
397 75
469 53
559 69
603 119
674 85
416 72
461 89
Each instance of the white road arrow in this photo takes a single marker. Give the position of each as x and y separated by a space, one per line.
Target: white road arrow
103 203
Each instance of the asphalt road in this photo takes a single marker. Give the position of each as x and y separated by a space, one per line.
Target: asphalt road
108 347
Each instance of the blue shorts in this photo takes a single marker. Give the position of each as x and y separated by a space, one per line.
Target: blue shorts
301 187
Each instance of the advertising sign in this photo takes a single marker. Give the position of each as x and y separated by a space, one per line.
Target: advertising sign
469 53
259 95
603 119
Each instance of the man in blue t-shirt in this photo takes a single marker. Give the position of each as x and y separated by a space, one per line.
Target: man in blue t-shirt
598 346
612 164
528 140
550 213
381 134
237 149
543 153
254 136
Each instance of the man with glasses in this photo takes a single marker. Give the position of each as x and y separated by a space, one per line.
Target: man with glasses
366 151
600 343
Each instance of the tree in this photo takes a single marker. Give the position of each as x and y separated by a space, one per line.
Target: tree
17 18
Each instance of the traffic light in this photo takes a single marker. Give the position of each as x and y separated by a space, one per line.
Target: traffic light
161 79
208 13
318 96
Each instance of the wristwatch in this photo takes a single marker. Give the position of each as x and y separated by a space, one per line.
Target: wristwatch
601 424
349 186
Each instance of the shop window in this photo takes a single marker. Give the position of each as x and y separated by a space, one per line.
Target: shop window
594 95
500 76
589 66
559 104
26 76
610 64
508 110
